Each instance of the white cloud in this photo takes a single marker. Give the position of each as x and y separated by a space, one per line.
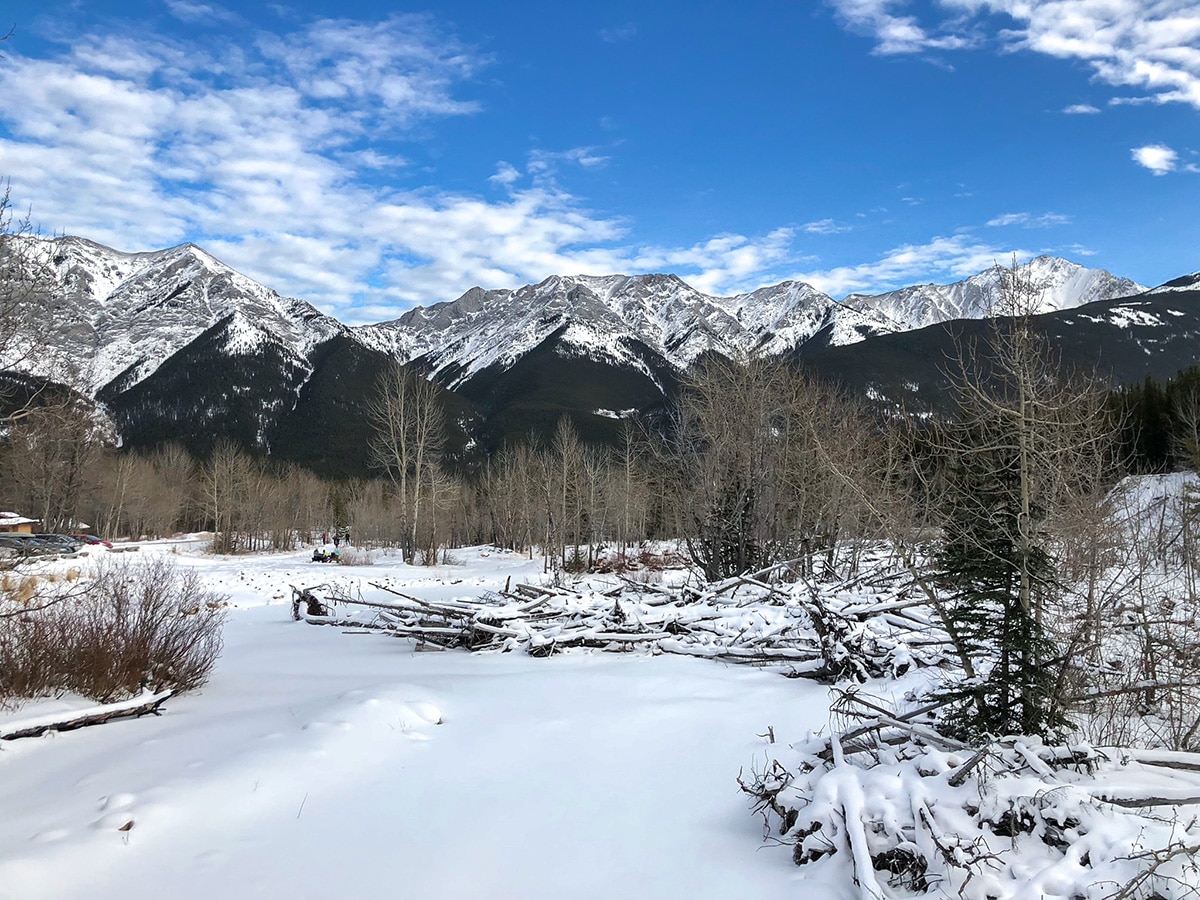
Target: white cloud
725 264
1029 220
894 34
506 174
1151 47
824 226
614 35
1081 109
199 13
546 162
954 258
1158 158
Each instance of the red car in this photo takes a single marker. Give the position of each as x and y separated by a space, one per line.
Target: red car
91 539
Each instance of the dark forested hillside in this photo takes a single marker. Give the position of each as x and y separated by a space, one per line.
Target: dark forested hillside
1122 341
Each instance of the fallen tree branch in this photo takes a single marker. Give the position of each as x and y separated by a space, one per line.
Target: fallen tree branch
145 704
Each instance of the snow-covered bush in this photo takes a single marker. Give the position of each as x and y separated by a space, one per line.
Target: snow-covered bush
355 558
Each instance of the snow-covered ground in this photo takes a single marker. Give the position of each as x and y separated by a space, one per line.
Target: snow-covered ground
317 763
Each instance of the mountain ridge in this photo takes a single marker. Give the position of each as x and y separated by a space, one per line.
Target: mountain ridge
146 328
125 313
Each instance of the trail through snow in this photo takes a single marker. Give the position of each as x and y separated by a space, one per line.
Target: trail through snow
314 765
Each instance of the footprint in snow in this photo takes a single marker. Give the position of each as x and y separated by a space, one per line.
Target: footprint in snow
48 837
426 712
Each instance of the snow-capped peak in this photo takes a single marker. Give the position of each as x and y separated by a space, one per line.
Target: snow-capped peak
125 313
609 317
1055 284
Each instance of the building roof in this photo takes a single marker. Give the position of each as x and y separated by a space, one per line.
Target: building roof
11 518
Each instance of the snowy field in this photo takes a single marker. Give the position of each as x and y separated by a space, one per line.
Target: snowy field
319 763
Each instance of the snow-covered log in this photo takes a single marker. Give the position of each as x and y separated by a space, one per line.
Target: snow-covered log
142 705
746 620
1015 818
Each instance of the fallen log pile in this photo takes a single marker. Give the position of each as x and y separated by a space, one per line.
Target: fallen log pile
819 630
903 809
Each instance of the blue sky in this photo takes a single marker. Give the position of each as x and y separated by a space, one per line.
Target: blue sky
370 156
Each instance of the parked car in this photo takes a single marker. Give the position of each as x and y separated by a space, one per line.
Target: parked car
91 539
13 546
27 545
59 542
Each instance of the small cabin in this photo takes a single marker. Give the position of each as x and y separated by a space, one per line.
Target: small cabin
11 523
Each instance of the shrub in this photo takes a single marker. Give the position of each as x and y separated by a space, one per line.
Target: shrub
132 627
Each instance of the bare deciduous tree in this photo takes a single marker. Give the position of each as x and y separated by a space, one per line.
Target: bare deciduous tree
50 451
224 479
409 436
765 456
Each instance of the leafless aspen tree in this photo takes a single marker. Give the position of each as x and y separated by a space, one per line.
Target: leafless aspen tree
765 455
50 453
224 480
409 436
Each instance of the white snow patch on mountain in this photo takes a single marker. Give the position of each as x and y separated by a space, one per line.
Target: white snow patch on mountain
128 312
124 314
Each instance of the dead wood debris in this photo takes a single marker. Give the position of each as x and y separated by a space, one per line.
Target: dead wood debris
904 809
799 625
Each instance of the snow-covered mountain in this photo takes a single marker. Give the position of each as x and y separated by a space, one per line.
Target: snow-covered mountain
178 346
121 315
604 317
1178 285
612 318
1055 284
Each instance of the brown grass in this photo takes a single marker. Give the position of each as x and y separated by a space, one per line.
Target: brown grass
26 589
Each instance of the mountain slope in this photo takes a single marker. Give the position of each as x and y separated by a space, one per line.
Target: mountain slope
232 381
1156 333
178 346
594 315
1055 283
122 315
597 317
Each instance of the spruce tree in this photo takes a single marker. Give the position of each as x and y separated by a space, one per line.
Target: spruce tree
1027 441
983 567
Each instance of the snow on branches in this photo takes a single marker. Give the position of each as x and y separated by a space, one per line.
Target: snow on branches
904 810
833 631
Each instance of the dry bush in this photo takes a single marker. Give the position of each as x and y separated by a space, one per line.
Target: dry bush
25 590
639 560
355 558
135 626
